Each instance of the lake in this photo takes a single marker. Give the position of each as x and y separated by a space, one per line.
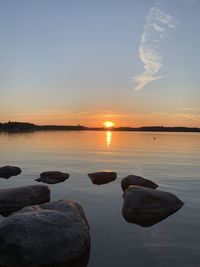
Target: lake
170 159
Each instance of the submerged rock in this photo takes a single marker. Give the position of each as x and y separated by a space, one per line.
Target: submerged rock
8 171
145 206
102 177
14 199
136 180
52 177
51 233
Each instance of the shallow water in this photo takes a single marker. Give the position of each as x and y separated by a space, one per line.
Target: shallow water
171 159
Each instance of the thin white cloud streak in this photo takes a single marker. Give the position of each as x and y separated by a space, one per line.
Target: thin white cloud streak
157 24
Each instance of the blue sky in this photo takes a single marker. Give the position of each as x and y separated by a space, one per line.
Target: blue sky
70 62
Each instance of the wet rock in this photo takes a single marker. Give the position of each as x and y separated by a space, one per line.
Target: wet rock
145 206
136 180
52 177
48 234
14 199
102 177
1 218
8 171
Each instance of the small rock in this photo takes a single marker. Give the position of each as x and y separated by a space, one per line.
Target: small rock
102 177
8 171
14 199
52 177
145 206
48 234
136 180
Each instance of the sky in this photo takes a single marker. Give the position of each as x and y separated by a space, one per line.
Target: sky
134 62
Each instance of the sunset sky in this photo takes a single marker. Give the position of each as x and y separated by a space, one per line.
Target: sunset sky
133 62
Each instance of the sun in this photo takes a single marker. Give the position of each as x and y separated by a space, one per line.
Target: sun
108 124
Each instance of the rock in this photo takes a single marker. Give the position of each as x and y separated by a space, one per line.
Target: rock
1 218
145 206
136 180
14 199
8 171
48 234
102 177
52 177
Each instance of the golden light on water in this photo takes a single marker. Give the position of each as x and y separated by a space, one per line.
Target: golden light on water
108 124
108 138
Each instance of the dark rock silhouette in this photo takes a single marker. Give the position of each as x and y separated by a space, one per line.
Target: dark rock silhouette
14 199
99 178
145 206
136 180
8 171
52 177
48 234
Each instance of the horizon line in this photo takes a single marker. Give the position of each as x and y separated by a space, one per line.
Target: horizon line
79 126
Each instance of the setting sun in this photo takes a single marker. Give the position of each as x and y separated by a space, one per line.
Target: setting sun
108 124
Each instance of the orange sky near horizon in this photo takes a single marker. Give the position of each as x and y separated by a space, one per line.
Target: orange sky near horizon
93 119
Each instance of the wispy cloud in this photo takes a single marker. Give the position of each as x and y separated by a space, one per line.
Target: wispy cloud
156 28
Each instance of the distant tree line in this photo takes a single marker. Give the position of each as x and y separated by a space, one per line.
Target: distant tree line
26 126
160 129
18 126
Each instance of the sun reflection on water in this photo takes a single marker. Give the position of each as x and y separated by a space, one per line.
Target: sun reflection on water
108 138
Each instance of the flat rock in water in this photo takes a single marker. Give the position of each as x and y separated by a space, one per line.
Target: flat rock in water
13 199
136 180
8 171
102 177
48 234
52 177
145 206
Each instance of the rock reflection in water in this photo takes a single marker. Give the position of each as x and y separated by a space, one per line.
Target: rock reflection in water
83 261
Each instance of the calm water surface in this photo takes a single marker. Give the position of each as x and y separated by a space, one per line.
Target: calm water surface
172 160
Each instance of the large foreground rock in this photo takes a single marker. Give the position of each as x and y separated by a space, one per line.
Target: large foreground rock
102 177
52 177
8 171
14 199
136 180
145 206
51 233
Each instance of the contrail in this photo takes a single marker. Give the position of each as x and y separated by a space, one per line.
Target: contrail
157 24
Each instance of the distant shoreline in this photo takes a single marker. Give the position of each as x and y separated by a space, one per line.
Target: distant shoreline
30 127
